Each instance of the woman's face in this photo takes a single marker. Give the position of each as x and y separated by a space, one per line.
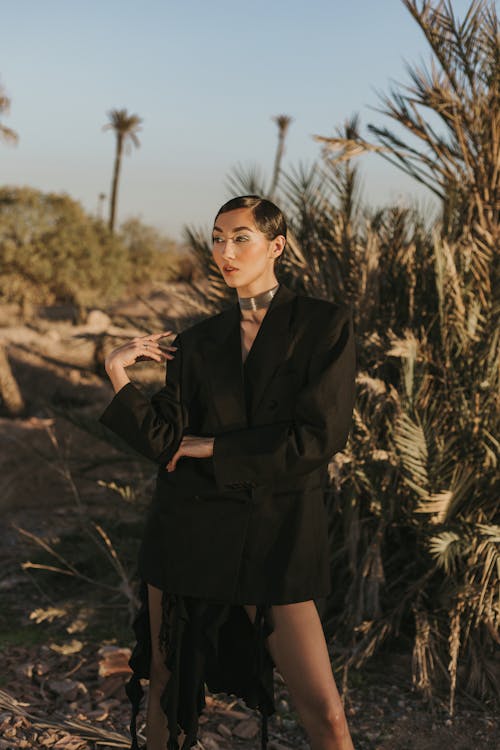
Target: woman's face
242 252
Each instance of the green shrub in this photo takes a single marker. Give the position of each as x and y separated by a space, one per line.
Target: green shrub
52 251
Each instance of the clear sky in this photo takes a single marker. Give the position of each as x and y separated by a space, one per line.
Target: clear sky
206 77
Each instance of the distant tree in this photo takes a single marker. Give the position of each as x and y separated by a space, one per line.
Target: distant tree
52 251
100 205
126 127
6 134
152 256
283 123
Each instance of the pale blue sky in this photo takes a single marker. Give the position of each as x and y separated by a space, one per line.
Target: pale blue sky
206 77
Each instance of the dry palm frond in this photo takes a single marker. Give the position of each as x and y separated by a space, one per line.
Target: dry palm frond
484 571
6 134
411 444
446 504
423 661
454 646
375 386
125 125
459 157
407 350
246 180
373 577
436 503
67 567
81 729
347 147
447 548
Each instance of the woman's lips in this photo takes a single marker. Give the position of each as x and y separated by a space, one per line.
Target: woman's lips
229 269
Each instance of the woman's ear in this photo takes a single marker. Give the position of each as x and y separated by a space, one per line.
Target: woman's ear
278 245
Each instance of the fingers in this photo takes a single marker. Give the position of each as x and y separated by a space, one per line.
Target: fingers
155 336
154 352
147 347
143 349
173 462
164 350
192 446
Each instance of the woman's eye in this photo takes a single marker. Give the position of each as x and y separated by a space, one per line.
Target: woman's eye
241 237
216 239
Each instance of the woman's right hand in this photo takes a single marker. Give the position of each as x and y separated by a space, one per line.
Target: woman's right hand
139 349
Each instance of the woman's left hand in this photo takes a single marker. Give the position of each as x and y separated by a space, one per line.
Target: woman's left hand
194 447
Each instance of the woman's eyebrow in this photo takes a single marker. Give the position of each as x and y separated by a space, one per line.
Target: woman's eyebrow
236 229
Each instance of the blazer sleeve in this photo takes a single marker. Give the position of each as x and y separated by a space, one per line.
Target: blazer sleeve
152 426
320 425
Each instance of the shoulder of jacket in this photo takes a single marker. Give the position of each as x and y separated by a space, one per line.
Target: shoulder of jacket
203 327
323 309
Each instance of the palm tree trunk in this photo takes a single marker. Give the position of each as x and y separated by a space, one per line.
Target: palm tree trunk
116 174
277 163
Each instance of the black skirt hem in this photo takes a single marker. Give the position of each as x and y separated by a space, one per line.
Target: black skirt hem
204 642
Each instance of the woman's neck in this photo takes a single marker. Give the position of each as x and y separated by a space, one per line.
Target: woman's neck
257 300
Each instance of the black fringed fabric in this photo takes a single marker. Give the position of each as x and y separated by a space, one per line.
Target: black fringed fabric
204 642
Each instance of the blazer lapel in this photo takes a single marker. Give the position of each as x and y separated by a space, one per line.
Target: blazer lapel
270 347
224 369
228 375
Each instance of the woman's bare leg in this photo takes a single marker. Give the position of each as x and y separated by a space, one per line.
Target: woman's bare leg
156 721
299 651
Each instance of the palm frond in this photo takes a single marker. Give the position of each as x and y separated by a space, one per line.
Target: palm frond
447 548
6 134
409 439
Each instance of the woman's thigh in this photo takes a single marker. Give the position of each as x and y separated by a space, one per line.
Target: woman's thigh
299 651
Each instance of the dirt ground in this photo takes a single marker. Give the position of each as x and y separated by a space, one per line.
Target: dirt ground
71 503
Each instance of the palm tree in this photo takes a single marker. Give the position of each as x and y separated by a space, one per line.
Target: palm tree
283 123
457 153
6 134
126 127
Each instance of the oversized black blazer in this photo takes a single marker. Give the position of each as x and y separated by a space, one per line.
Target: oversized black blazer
248 524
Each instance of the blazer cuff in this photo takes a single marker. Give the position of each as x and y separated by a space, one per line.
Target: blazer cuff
118 415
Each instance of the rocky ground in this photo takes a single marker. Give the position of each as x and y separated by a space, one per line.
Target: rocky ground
69 694
71 508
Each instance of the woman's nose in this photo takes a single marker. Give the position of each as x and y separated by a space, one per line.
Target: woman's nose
227 249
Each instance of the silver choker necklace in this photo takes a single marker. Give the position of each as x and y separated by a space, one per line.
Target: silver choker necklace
260 300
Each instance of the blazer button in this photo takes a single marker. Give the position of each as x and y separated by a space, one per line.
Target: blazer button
273 404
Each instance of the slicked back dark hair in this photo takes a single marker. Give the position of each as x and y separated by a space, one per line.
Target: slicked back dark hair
267 216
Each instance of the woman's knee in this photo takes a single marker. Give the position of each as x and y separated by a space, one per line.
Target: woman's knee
325 716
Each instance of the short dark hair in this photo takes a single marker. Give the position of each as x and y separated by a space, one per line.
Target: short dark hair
268 217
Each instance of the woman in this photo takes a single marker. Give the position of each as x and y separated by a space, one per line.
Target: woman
257 400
